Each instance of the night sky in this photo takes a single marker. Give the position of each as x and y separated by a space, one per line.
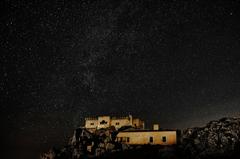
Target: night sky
166 61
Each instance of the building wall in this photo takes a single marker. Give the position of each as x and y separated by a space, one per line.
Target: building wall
138 123
91 123
118 123
143 137
107 121
104 122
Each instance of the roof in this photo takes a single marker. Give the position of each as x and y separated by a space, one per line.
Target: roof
147 130
112 117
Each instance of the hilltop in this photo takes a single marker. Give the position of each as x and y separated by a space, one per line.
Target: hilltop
217 139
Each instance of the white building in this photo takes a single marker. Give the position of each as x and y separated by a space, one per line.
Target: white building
117 122
143 137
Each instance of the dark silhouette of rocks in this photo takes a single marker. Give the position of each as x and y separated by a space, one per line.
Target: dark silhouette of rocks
217 138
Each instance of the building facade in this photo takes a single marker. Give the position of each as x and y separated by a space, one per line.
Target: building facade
143 137
117 122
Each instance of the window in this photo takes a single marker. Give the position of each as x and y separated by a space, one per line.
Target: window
164 139
91 123
103 122
151 139
117 123
123 139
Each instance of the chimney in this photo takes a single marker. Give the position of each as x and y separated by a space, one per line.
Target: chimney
155 126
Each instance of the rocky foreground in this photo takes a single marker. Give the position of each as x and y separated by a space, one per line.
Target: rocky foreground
218 139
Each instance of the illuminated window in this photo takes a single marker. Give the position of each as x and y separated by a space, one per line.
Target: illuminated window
151 139
164 139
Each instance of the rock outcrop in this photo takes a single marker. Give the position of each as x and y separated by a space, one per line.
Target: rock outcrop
86 144
217 138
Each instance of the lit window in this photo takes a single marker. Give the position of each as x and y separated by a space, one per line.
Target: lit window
164 139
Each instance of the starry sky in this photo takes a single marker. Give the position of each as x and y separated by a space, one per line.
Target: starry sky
170 62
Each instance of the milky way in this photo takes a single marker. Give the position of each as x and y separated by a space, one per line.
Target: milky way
169 62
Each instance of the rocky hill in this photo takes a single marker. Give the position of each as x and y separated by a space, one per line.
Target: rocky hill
218 139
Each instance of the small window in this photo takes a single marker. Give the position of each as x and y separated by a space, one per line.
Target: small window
151 139
164 139
103 122
91 123
117 123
